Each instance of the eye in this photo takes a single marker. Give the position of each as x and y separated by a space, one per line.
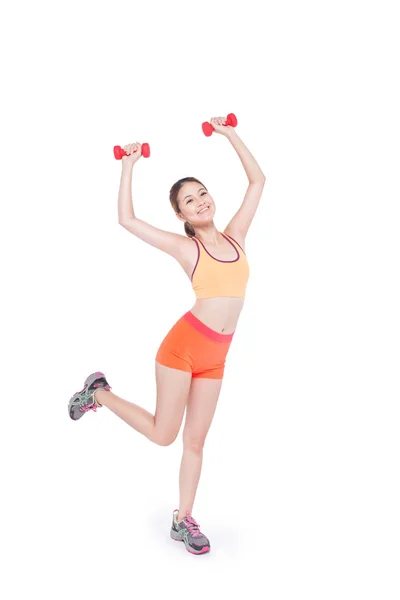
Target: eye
202 194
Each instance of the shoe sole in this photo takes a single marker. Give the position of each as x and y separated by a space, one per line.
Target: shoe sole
73 411
202 551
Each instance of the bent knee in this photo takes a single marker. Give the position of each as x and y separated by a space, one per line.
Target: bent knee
164 439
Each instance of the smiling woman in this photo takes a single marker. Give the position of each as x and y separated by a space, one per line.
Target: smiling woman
190 360
198 197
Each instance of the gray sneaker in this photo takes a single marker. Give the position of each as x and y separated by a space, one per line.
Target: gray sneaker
188 531
83 401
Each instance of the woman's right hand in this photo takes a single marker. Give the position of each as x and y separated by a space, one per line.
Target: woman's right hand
134 152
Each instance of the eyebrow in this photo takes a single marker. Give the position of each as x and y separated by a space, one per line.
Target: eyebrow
202 188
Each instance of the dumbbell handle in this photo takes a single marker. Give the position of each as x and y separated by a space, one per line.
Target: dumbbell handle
120 152
208 128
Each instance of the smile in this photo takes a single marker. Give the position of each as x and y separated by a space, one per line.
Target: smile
203 210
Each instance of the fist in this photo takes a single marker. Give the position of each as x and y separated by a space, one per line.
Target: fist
219 125
133 151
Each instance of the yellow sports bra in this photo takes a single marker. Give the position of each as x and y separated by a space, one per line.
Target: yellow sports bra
212 277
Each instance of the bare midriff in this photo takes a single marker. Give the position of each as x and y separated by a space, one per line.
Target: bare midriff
220 314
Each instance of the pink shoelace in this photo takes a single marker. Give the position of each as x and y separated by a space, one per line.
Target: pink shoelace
192 525
94 405
89 407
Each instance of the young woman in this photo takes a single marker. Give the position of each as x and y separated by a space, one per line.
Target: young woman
190 361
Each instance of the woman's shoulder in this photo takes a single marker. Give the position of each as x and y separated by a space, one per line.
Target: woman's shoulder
188 247
236 236
188 253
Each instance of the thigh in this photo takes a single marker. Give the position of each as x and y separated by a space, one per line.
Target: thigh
175 349
201 405
173 386
209 358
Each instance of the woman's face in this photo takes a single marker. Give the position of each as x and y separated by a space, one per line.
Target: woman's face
195 203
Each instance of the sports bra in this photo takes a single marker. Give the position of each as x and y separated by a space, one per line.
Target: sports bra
213 278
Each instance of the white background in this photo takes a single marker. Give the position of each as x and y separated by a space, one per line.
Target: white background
299 491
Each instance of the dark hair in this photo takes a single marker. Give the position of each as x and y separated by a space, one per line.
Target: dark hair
173 198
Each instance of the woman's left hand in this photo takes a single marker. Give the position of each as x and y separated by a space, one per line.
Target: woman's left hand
218 124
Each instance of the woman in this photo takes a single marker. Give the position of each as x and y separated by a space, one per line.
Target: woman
190 360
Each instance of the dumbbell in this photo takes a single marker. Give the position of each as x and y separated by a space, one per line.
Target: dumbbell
119 152
208 128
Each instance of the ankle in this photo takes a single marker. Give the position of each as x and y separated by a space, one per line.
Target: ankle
96 397
180 517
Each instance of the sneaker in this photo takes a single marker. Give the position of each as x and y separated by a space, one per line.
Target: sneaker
83 401
188 531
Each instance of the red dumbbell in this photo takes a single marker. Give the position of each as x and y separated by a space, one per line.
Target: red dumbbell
208 128
119 152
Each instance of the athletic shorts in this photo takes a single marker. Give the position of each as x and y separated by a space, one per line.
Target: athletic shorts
193 347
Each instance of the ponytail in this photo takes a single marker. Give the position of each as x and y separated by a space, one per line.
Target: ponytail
189 230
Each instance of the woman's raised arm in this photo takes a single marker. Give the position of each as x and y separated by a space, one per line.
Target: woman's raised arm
173 243
240 222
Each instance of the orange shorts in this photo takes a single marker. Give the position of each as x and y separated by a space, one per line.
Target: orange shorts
192 346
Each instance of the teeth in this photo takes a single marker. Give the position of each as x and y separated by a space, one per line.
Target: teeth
203 209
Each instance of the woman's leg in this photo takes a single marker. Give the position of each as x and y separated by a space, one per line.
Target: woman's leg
173 387
202 402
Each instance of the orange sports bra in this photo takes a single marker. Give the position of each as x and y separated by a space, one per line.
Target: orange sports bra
213 278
